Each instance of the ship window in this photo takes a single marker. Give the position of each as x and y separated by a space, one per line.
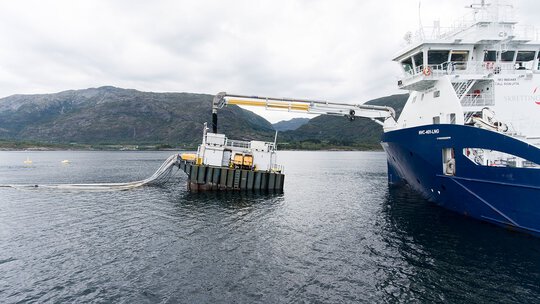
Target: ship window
507 56
453 118
493 158
490 56
459 56
525 56
436 120
418 59
437 57
524 60
459 59
407 65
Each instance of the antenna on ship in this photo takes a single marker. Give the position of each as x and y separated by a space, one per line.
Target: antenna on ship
482 4
420 27
476 7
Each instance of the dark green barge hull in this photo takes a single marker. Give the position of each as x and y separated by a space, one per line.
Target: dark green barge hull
209 178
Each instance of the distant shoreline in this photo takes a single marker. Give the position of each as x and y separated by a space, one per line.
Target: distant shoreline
41 149
34 146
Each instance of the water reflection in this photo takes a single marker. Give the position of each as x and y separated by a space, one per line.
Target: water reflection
337 234
453 258
231 199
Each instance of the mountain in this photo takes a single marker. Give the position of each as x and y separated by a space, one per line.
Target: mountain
110 115
115 116
292 124
338 132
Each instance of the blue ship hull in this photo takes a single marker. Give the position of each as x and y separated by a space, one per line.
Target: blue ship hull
505 196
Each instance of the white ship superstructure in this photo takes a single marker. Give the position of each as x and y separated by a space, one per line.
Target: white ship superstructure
484 60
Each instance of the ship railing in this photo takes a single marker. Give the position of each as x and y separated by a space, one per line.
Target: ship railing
467 67
437 32
526 32
238 144
478 100
445 68
277 168
246 144
491 16
434 33
494 158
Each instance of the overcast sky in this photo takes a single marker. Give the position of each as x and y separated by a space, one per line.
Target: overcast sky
333 50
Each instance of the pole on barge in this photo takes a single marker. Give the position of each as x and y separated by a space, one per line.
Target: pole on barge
216 104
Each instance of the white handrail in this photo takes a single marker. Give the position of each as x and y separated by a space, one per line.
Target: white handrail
464 67
478 100
245 144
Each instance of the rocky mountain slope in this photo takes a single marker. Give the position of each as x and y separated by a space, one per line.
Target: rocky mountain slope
292 124
333 131
115 116
110 115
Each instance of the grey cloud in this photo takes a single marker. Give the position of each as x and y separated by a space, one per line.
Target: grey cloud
332 50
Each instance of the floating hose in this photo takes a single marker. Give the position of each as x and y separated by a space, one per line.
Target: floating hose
161 176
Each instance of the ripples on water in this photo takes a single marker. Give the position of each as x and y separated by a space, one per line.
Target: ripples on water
337 234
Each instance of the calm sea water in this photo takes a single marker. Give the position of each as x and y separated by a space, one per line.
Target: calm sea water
337 234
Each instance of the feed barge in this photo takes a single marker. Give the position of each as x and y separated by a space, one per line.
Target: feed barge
224 164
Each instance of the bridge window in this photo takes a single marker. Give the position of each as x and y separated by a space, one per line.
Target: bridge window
407 65
525 56
437 57
525 60
459 59
418 59
507 56
493 158
490 56
459 56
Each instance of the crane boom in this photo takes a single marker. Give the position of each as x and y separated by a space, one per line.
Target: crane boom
302 106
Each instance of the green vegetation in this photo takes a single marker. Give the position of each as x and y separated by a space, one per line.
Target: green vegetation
33 145
22 145
333 132
293 124
113 116
109 118
327 145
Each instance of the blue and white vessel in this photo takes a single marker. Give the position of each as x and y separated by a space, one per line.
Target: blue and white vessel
468 137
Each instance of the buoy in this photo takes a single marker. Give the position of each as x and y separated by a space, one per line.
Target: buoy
28 161
65 161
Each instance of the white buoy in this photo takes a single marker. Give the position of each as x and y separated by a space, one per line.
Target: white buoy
65 161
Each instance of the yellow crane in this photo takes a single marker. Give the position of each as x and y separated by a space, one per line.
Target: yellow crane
316 107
